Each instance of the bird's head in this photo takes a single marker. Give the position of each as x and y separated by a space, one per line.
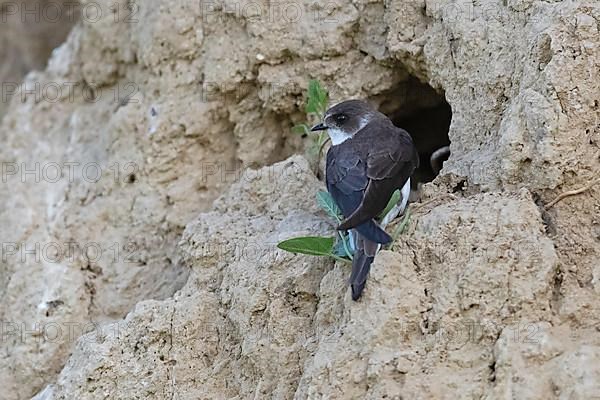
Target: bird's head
345 119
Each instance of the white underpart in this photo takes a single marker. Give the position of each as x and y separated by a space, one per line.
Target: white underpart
399 207
352 240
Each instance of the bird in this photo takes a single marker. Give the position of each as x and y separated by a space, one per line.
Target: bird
369 159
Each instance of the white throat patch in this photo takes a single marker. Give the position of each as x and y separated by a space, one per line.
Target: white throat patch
339 136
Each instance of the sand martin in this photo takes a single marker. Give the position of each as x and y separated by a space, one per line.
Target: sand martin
368 160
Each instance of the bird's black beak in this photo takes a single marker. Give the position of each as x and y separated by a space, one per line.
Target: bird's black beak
318 127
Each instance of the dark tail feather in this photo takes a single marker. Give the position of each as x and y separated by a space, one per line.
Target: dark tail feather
373 232
361 265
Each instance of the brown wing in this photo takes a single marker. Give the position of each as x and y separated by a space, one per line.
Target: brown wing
391 158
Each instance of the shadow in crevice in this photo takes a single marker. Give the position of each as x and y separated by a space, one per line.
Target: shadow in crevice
425 114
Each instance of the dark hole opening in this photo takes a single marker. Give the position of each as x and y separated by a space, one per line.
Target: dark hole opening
425 114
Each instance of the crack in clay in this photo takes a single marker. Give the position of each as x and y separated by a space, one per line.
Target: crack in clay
170 364
555 301
90 289
492 365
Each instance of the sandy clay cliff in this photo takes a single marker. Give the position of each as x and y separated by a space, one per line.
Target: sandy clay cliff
148 269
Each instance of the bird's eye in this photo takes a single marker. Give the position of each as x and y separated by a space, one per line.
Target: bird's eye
340 118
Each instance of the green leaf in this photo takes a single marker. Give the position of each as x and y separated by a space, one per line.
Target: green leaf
316 105
301 129
400 229
342 246
404 223
393 201
311 245
338 249
317 98
327 203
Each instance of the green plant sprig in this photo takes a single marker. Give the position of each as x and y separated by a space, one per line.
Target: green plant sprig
316 106
337 247
326 246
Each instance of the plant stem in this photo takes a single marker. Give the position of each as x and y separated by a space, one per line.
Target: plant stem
400 229
346 249
338 258
322 144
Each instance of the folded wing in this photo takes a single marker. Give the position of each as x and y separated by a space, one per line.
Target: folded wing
388 163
